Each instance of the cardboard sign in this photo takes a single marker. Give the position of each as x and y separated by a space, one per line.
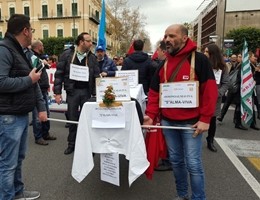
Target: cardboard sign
120 86
179 94
131 74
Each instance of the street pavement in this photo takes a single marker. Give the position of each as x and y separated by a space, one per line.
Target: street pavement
48 170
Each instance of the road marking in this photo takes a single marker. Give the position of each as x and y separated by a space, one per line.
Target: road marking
255 162
250 179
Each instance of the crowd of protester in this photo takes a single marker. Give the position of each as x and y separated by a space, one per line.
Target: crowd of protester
219 80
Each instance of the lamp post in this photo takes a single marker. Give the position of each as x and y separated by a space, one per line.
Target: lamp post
73 16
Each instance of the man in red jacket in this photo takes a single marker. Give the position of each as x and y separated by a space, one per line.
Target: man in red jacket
184 145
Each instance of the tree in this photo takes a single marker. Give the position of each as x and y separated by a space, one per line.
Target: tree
252 36
128 24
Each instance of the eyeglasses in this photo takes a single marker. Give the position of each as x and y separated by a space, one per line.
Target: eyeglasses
115 58
31 29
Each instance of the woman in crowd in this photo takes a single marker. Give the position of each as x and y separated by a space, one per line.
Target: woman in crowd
220 69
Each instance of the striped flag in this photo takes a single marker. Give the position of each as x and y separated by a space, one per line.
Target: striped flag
35 61
247 88
102 27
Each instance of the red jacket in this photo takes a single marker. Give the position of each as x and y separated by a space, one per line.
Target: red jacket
208 91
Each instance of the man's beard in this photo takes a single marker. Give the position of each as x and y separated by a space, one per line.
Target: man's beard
175 51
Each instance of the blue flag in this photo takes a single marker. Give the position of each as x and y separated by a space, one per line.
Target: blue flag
102 28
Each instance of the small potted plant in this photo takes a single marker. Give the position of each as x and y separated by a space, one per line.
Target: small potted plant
109 96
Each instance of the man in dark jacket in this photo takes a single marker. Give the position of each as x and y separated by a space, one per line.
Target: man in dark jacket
19 94
140 61
77 69
107 66
41 129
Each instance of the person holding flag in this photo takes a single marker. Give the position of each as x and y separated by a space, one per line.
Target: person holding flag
246 109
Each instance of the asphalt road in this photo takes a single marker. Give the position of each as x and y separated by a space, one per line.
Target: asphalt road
48 170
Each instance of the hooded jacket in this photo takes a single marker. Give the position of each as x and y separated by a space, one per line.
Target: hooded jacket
208 92
142 62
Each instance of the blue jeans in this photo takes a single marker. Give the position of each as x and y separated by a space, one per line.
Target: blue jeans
41 129
13 144
185 156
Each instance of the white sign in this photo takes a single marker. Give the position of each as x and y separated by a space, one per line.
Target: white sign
120 86
179 94
109 163
79 73
108 117
131 74
217 74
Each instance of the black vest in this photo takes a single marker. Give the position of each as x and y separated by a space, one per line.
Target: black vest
24 101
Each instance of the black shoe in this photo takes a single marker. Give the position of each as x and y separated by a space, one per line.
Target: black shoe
69 150
240 127
211 147
49 137
163 167
255 127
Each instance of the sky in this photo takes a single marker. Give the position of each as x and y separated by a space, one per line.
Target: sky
162 13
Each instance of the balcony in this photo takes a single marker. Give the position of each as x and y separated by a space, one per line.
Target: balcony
94 19
53 16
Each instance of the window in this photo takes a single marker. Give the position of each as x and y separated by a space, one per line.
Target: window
11 11
74 32
44 11
97 15
45 34
59 32
74 7
26 11
59 10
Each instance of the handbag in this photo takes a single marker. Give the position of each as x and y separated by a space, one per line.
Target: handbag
233 83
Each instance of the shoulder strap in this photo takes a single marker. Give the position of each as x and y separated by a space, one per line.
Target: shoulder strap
174 74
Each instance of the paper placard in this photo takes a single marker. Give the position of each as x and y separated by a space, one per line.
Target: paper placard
109 164
79 73
131 74
179 94
120 86
108 117
217 74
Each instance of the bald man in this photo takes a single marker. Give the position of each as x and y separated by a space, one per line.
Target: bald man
184 145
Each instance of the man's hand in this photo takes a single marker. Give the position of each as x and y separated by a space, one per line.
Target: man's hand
35 76
147 120
58 98
200 128
42 116
103 74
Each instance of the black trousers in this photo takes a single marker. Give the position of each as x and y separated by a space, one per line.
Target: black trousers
229 100
212 129
75 103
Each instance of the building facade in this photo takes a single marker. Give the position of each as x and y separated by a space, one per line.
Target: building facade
221 16
57 18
